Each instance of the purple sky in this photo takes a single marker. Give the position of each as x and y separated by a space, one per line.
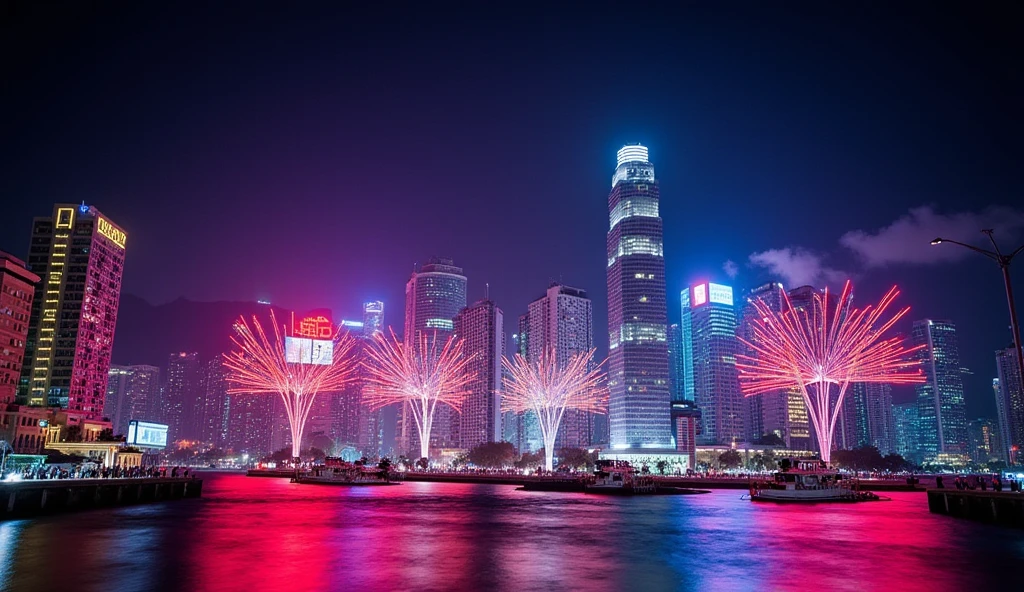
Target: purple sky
313 155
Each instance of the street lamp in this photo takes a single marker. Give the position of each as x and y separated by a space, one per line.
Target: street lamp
1004 264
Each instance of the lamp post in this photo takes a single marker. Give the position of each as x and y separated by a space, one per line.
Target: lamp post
1004 264
3 459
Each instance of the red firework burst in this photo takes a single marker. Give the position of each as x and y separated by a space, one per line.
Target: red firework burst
818 347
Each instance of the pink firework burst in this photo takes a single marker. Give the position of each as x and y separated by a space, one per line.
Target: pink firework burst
818 348
259 366
548 388
421 375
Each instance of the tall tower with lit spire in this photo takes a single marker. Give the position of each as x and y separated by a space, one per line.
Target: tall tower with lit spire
638 372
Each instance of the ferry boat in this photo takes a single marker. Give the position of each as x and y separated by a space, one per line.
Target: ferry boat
809 481
619 477
338 472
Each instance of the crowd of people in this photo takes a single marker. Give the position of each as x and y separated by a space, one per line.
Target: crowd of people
92 471
982 483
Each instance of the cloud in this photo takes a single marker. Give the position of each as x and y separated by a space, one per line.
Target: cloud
798 267
908 239
731 269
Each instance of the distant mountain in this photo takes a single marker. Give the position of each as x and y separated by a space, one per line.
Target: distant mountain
148 334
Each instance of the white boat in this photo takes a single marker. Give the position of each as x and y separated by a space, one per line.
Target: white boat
619 477
337 472
810 481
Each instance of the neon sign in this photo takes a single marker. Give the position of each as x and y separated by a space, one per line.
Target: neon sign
700 294
116 235
314 326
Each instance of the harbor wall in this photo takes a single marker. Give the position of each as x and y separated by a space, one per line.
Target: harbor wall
994 507
32 498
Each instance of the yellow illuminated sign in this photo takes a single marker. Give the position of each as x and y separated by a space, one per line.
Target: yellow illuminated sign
65 217
110 231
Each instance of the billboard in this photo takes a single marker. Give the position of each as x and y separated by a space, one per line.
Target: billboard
315 324
146 434
720 294
714 293
302 350
700 294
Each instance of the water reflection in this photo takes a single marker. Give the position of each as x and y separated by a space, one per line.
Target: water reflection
259 534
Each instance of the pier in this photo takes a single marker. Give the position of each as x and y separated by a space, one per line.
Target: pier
24 499
994 507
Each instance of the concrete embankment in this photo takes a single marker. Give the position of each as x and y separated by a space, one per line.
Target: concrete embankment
279 473
513 479
32 498
994 507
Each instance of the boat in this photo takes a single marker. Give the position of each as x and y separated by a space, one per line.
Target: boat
339 472
810 481
619 477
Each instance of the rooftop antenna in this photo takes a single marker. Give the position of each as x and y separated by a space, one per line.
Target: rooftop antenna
487 290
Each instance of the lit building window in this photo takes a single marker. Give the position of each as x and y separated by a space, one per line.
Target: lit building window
642 332
634 206
440 324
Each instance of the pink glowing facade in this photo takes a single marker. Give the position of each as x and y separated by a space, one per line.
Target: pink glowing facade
822 349
424 374
260 365
548 389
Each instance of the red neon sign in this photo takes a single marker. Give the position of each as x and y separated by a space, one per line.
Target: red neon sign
314 326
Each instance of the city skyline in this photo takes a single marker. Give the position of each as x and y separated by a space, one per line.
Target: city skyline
276 146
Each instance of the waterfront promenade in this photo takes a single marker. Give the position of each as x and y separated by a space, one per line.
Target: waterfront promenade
515 478
1005 508
33 497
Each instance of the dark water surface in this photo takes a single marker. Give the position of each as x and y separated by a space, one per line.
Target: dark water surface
269 534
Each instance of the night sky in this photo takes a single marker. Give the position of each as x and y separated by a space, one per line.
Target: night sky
314 155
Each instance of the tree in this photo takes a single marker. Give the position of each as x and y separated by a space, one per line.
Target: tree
107 435
662 465
73 433
423 463
756 462
770 440
785 464
575 458
530 460
405 461
384 464
895 463
862 458
493 454
460 461
730 459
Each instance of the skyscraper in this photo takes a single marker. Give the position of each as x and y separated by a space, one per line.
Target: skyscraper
132 392
79 253
906 418
183 398
712 316
373 317
117 397
522 429
17 290
481 326
249 428
871 404
215 405
984 442
563 319
1009 402
433 296
782 413
676 387
638 373
943 419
